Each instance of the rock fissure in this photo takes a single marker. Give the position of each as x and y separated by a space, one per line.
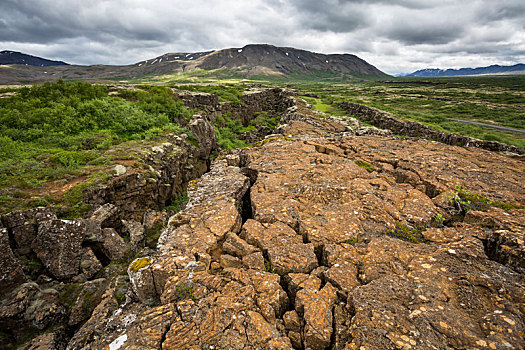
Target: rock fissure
282 246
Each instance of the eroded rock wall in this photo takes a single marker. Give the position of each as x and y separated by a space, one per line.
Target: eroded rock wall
386 120
252 102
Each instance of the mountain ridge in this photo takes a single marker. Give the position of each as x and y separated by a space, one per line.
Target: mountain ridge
492 69
249 61
15 57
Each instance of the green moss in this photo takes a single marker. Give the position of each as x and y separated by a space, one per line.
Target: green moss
352 241
364 165
139 263
69 294
406 233
88 302
183 291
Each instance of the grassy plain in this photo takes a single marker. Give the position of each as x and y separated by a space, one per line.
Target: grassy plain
432 101
61 133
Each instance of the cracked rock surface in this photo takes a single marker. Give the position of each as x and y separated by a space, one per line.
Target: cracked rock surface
322 239
316 263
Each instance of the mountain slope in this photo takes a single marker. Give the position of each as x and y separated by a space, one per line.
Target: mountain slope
493 69
268 60
13 57
246 62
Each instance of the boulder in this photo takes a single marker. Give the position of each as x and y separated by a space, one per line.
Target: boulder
236 246
135 230
254 261
11 274
46 309
113 246
292 258
142 281
24 225
89 264
228 261
56 340
14 304
89 297
58 246
107 215
316 310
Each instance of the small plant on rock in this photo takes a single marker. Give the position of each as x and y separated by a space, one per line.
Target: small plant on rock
438 220
352 241
268 267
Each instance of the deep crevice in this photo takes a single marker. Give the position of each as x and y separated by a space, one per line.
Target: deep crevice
95 248
291 301
246 201
333 336
319 254
165 333
246 206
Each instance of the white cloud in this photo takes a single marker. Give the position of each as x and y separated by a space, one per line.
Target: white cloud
395 36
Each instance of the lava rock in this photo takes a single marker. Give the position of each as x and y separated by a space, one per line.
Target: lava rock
58 246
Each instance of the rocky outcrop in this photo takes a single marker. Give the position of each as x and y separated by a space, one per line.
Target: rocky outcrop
386 120
12 274
166 168
336 272
316 238
58 245
253 102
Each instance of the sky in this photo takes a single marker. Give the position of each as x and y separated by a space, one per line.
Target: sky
396 36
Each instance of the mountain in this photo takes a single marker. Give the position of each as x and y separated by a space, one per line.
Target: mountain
246 62
494 69
13 57
262 59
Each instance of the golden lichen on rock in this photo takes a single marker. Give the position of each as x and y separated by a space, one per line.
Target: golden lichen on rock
139 263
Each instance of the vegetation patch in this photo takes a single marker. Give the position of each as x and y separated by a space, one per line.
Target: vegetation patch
465 201
364 165
353 240
153 234
432 101
268 267
178 204
139 263
184 290
407 233
226 92
60 130
69 294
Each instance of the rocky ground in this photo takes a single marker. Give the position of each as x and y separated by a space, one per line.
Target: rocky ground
325 235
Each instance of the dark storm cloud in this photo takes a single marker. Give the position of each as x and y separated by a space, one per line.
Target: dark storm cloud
330 15
425 34
395 35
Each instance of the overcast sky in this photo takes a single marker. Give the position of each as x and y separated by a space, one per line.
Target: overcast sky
393 35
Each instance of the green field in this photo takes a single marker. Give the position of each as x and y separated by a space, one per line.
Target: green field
62 131
55 134
432 101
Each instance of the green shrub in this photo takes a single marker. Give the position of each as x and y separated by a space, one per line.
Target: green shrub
53 130
406 233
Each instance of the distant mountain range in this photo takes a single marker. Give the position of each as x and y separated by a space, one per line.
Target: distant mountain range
246 62
13 57
494 69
